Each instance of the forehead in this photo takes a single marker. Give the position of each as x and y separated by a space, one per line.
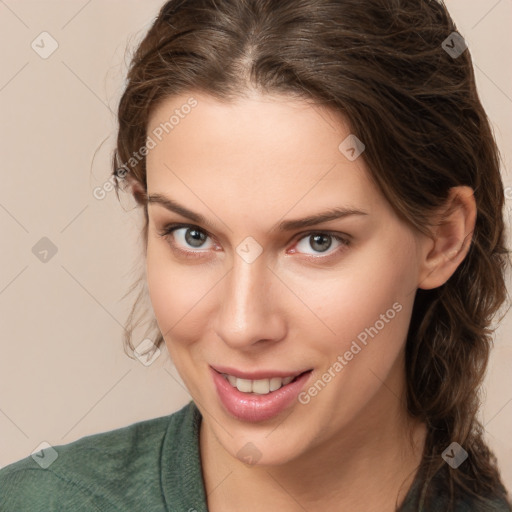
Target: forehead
255 154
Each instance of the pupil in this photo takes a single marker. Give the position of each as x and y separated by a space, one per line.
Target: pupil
317 239
191 239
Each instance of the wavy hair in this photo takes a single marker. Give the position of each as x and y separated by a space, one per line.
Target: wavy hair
382 65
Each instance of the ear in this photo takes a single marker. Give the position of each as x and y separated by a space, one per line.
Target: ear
452 236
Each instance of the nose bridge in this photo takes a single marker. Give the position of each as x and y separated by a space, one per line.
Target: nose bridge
247 309
246 283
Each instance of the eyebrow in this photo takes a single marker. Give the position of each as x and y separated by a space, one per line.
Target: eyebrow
285 225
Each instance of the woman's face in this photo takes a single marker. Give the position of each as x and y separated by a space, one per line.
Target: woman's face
253 289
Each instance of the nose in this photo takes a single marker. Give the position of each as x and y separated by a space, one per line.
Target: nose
250 314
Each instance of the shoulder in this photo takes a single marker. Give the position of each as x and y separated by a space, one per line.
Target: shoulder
99 472
434 498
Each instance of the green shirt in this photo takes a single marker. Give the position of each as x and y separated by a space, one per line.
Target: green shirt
150 466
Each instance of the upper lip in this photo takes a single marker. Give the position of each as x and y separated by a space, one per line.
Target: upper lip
257 374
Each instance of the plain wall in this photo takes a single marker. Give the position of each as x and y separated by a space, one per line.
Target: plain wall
63 370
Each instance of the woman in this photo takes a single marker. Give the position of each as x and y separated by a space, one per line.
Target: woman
343 377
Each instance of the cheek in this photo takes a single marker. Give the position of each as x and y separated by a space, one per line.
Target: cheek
370 298
368 308
178 294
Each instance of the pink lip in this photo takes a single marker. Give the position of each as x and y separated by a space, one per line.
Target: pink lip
259 374
251 406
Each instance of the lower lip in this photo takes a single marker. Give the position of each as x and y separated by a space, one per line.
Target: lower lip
253 407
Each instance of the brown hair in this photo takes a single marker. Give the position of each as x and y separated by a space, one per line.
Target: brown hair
382 65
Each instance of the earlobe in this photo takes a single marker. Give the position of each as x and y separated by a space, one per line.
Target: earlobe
452 236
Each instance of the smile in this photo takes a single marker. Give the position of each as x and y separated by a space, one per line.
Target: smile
260 386
257 395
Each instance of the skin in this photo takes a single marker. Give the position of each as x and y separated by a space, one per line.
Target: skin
246 166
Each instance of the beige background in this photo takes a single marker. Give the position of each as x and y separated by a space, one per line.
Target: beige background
63 371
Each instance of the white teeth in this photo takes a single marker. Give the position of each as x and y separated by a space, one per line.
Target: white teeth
260 386
244 385
275 383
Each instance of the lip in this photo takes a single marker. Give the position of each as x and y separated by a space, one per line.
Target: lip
252 407
256 375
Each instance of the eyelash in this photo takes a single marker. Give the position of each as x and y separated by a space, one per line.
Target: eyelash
168 230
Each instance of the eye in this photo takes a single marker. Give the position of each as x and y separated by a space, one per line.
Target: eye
185 235
189 240
321 242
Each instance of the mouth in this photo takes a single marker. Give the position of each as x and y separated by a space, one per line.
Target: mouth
257 396
260 386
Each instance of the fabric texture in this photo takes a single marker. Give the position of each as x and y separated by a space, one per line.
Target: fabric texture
150 466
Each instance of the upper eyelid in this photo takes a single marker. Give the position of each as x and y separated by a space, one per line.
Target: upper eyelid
180 225
298 236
